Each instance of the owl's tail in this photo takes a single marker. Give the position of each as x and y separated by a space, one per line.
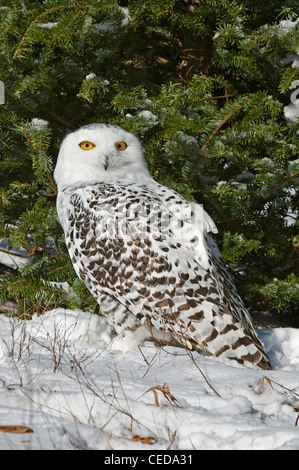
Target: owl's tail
230 342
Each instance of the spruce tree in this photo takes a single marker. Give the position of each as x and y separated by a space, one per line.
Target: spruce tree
206 85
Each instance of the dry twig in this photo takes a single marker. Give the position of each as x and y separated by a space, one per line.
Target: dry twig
16 429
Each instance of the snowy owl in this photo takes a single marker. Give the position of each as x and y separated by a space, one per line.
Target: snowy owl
147 254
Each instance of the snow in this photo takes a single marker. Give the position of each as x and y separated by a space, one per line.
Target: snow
59 379
111 26
285 26
91 76
37 124
8 259
148 115
2 93
291 111
48 25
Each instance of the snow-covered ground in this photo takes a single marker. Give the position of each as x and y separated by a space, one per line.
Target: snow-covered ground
58 379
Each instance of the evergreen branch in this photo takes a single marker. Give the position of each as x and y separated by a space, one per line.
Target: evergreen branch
25 36
12 253
235 14
293 250
224 121
280 183
286 80
198 162
206 142
5 31
70 23
12 93
51 183
58 117
27 85
266 65
215 131
223 217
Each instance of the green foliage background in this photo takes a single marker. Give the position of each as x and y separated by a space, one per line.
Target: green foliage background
203 83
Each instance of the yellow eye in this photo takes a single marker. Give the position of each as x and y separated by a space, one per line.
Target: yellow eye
121 146
86 145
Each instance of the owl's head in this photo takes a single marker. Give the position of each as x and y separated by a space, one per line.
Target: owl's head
100 153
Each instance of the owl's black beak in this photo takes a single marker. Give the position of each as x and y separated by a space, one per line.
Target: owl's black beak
106 163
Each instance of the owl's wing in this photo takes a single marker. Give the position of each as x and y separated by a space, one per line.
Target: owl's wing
162 265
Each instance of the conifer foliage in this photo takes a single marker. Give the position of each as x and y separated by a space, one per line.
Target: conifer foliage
207 85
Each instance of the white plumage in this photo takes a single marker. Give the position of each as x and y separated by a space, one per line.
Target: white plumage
145 253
